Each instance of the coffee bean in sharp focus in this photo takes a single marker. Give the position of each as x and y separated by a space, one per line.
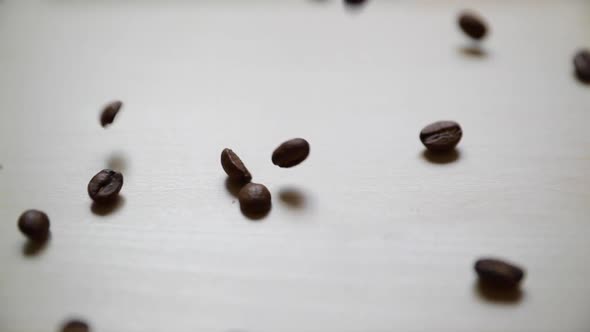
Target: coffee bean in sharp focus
254 198
75 326
441 136
498 273
34 224
582 65
110 112
472 25
291 153
105 186
234 167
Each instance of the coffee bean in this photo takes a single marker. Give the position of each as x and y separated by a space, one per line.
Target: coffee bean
498 273
472 25
75 326
582 65
105 186
34 224
234 167
291 153
441 136
354 2
254 198
109 112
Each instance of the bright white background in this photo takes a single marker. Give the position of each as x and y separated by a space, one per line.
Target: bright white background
369 235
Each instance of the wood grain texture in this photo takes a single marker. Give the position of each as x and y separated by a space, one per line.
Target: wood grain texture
365 235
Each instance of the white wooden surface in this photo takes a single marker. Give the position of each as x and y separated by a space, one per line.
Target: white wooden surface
371 236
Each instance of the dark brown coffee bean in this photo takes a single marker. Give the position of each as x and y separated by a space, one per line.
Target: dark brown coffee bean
354 2
473 25
105 186
441 136
498 273
254 198
291 153
582 65
75 326
109 112
34 224
234 167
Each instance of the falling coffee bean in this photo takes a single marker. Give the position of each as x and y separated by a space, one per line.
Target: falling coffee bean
441 136
498 273
75 326
472 25
109 112
34 224
105 186
254 198
234 167
582 65
291 153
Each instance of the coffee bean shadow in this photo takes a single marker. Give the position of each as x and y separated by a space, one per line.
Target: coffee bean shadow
441 157
473 50
117 162
293 197
496 294
255 216
107 208
34 248
581 79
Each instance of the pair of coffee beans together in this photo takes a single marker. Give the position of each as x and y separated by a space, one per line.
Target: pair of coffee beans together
103 188
255 198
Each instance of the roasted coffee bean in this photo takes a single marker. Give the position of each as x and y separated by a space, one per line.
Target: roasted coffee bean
498 273
354 2
291 153
234 167
254 198
441 136
109 112
105 186
34 224
75 326
472 25
582 65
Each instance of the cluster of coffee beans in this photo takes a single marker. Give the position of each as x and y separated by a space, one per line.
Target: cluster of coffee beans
438 137
103 189
255 198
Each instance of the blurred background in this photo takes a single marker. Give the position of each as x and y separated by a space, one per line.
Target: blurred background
368 234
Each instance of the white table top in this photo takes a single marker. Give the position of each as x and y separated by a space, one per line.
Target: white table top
366 235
